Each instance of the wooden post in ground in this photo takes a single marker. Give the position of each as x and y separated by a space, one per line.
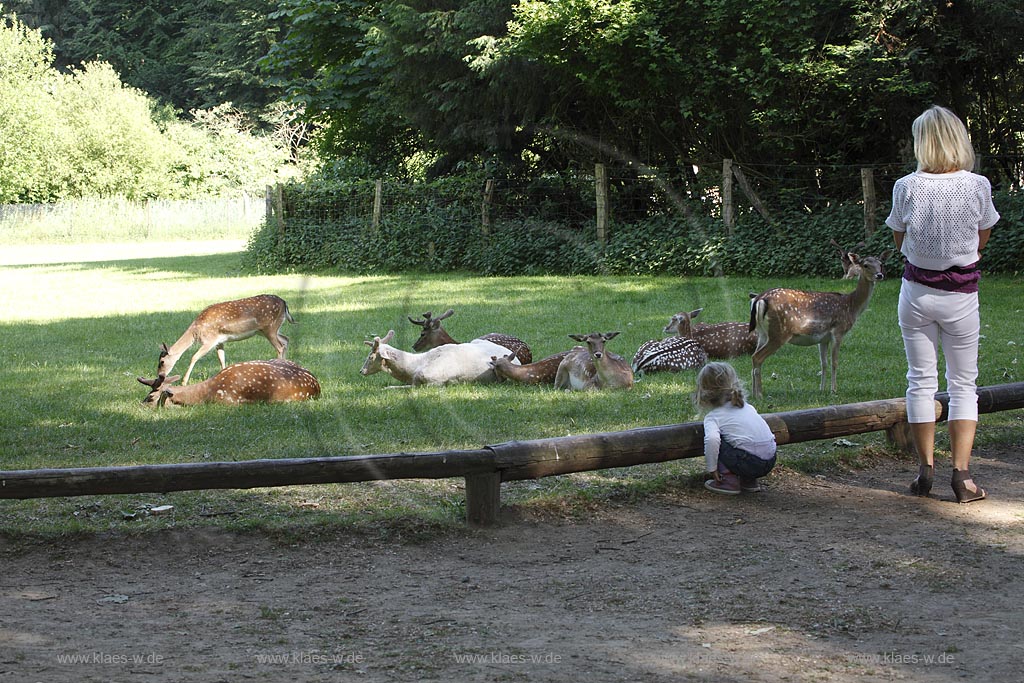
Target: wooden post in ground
601 188
483 498
378 203
728 207
485 210
867 183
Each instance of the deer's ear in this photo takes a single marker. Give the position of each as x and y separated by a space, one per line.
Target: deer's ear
885 255
578 337
609 335
694 314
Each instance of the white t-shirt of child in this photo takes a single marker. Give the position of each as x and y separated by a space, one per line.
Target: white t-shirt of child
941 214
742 427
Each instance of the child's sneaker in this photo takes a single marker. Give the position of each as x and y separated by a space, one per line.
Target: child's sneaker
729 485
750 485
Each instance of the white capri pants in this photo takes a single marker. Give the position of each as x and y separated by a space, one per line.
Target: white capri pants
928 316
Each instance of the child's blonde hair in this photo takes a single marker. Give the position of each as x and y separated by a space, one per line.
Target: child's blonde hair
941 142
718 384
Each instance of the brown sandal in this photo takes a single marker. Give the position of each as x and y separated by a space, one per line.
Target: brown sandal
922 486
960 490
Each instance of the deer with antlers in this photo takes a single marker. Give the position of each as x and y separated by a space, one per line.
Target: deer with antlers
225 322
434 335
591 367
792 316
254 381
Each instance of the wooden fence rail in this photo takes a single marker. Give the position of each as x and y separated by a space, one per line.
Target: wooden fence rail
484 469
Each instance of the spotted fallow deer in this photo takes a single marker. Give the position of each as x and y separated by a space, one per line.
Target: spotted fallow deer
226 322
591 367
672 354
543 371
434 335
792 316
721 341
254 381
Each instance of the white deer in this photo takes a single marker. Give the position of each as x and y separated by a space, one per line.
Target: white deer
226 322
447 364
793 316
591 367
254 381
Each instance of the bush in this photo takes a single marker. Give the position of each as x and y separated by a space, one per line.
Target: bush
435 227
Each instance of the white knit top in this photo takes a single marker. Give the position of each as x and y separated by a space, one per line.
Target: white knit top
941 214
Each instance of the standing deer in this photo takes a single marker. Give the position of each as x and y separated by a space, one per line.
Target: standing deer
591 367
254 381
792 316
543 371
225 322
434 335
721 341
446 364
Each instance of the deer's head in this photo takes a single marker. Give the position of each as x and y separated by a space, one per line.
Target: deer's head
159 388
433 334
375 361
595 342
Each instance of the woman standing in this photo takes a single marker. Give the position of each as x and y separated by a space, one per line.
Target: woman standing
941 218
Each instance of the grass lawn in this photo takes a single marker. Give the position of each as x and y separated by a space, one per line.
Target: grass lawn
77 334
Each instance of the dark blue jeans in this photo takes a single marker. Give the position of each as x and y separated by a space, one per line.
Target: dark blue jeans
743 463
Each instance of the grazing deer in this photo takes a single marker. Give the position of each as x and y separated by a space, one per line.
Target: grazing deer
254 381
541 372
721 341
672 354
591 367
792 316
434 335
447 364
851 271
225 322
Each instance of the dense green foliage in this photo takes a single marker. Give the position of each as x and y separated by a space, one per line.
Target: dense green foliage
84 133
536 86
437 227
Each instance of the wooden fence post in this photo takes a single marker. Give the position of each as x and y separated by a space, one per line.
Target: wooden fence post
485 210
601 188
483 498
728 207
378 202
275 207
867 183
748 190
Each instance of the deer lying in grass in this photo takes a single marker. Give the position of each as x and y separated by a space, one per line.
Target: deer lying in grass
541 372
672 354
434 335
254 381
720 341
225 322
447 364
591 367
792 316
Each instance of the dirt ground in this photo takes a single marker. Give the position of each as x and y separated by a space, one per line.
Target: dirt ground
840 578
